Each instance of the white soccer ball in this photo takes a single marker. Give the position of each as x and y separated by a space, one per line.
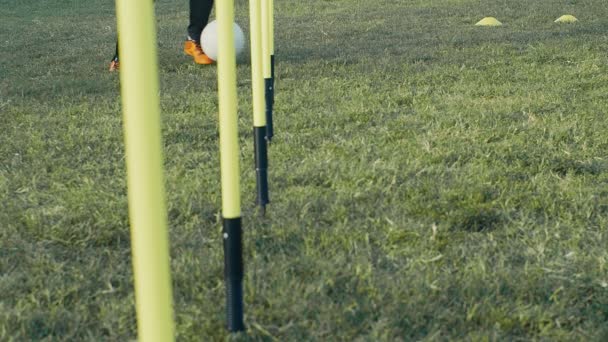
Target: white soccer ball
209 40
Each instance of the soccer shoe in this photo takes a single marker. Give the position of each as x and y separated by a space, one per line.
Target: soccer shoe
192 48
114 65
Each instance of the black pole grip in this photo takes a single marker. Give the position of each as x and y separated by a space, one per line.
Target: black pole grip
272 70
272 79
269 97
233 273
261 165
115 58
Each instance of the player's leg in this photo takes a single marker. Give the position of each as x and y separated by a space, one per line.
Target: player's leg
199 16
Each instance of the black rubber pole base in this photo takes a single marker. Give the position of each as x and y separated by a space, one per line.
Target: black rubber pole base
261 165
269 96
233 273
115 58
272 69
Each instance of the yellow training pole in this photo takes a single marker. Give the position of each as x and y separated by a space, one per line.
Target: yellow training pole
141 110
267 46
271 32
272 60
266 37
271 40
257 80
229 164
259 117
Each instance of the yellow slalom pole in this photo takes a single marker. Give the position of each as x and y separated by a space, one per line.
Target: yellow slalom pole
259 116
229 164
257 76
266 37
271 32
226 69
267 46
272 60
147 210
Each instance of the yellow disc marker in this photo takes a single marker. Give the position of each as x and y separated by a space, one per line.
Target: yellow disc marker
568 19
488 21
147 209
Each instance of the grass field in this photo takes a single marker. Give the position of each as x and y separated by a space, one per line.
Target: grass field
430 180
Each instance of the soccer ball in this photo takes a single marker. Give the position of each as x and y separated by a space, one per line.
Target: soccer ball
209 40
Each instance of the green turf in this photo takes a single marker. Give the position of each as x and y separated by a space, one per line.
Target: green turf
430 180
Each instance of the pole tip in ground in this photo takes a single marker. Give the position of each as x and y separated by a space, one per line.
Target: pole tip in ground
567 19
488 21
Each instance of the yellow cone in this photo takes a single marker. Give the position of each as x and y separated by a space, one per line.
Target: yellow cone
488 21
566 19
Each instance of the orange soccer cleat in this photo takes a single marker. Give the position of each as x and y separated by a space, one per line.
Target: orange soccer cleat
194 49
114 65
